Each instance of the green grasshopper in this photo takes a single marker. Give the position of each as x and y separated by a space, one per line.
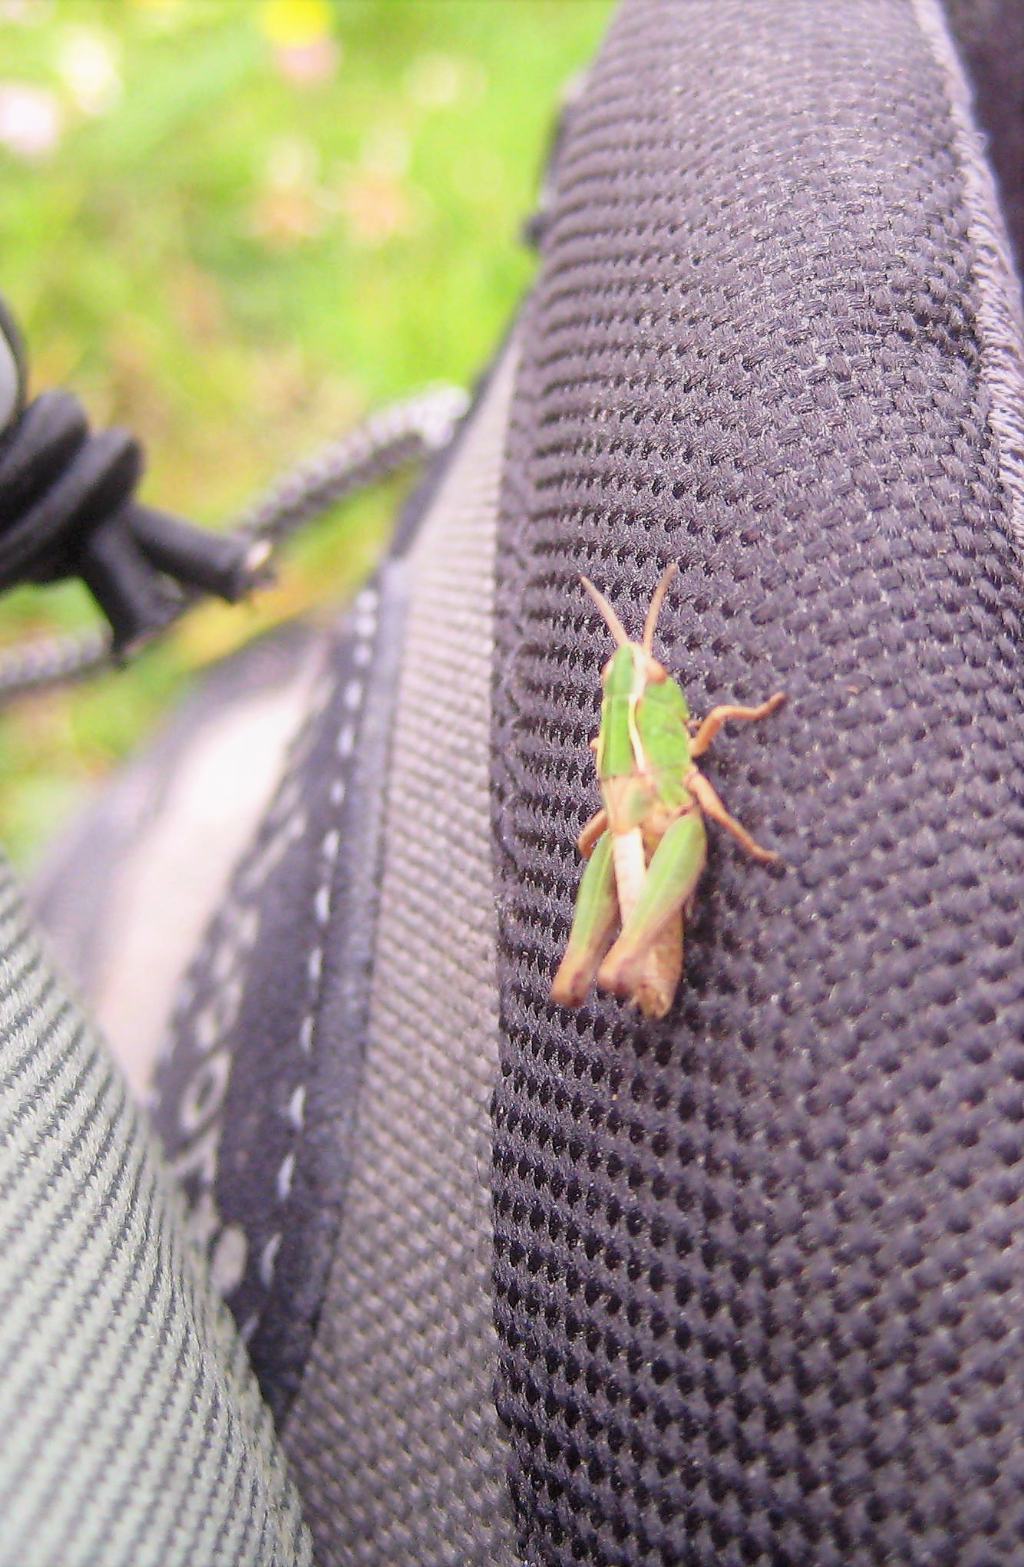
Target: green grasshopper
646 847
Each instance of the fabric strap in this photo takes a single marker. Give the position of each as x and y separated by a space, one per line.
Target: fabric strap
394 1434
134 1434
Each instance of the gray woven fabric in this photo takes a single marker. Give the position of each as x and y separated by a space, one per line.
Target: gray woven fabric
394 1435
255 1099
133 1434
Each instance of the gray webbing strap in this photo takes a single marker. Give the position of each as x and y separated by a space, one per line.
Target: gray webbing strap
131 1432
394 1433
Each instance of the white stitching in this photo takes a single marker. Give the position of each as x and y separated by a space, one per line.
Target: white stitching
365 625
268 1257
284 1176
999 304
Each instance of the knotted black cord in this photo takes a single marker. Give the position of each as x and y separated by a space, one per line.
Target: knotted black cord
144 567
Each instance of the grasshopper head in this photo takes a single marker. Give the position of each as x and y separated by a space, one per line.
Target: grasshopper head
629 670
642 666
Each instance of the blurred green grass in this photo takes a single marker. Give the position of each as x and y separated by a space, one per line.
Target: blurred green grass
239 227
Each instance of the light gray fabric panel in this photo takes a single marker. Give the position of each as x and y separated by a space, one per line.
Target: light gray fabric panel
394 1434
125 894
132 1430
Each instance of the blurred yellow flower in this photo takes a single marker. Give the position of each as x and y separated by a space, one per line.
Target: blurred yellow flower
300 34
295 24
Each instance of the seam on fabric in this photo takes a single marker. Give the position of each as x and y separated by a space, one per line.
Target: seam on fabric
354 698
999 296
232 931
226 951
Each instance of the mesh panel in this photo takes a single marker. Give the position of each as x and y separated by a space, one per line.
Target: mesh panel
758 1267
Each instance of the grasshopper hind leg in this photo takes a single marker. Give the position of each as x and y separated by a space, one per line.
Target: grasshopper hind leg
655 989
668 887
593 926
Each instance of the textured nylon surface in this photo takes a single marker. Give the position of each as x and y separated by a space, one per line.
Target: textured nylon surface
759 1269
133 1432
257 1093
394 1435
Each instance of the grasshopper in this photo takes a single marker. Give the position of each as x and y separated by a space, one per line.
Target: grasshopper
646 847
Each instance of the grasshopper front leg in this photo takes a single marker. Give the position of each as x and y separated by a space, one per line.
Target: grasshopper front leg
594 921
721 715
671 880
591 834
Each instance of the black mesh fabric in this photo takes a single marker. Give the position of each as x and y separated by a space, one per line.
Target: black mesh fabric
759 1268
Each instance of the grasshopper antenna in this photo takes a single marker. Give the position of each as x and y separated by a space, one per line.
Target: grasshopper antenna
608 615
655 610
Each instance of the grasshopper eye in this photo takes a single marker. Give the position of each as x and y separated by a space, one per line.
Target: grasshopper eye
606 671
656 672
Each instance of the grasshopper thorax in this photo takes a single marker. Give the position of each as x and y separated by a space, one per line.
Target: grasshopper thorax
630 670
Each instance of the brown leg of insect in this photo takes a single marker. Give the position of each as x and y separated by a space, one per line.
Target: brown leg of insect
658 980
721 715
591 832
712 806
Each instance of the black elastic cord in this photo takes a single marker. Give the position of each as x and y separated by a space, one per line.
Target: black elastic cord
225 563
67 509
219 563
